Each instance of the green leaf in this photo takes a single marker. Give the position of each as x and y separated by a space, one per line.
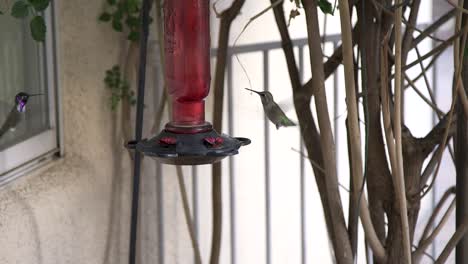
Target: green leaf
20 9
118 14
134 36
39 5
38 28
326 7
132 6
132 21
111 2
105 17
117 25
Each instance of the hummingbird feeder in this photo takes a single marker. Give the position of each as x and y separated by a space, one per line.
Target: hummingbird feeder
188 139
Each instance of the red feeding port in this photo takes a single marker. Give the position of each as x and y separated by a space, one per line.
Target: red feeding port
187 56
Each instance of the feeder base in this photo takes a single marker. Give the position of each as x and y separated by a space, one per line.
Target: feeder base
205 147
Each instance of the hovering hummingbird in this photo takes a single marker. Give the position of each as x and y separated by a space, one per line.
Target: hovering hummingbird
273 111
14 116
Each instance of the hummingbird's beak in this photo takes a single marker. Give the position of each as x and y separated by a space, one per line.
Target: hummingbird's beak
253 91
31 95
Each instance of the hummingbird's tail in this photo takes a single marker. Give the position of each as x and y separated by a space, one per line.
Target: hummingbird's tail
286 122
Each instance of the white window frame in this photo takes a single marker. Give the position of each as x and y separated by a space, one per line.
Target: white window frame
40 149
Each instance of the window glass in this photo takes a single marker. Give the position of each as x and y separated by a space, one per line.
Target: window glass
22 69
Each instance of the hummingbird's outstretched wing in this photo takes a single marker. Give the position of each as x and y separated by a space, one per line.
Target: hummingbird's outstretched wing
11 121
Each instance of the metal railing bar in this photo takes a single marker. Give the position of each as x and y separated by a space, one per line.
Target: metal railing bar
258 47
195 200
232 189
160 206
266 83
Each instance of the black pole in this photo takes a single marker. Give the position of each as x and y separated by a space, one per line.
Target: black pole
461 160
139 128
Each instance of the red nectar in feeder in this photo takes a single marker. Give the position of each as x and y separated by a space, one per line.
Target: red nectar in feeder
187 58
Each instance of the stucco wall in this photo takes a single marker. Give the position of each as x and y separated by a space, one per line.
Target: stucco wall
76 209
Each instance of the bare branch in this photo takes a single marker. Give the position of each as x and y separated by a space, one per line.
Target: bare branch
354 131
457 85
431 95
407 40
343 250
227 17
457 236
456 6
429 66
435 136
436 211
425 243
422 96
307 125
398 174
330 66
437 49
433 27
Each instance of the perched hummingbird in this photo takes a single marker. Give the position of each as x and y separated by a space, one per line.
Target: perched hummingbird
14 116
273 111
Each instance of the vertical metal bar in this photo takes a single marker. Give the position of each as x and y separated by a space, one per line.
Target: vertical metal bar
158 93
266 77
232 184
461 163
139 130
302 174
160 206
195 200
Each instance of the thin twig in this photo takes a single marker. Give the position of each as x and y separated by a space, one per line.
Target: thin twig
457 236
428 67
318 167
423 97
425 243
252 19
458 70
456 6
433 27
431 95
435 50
314 164
435 213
